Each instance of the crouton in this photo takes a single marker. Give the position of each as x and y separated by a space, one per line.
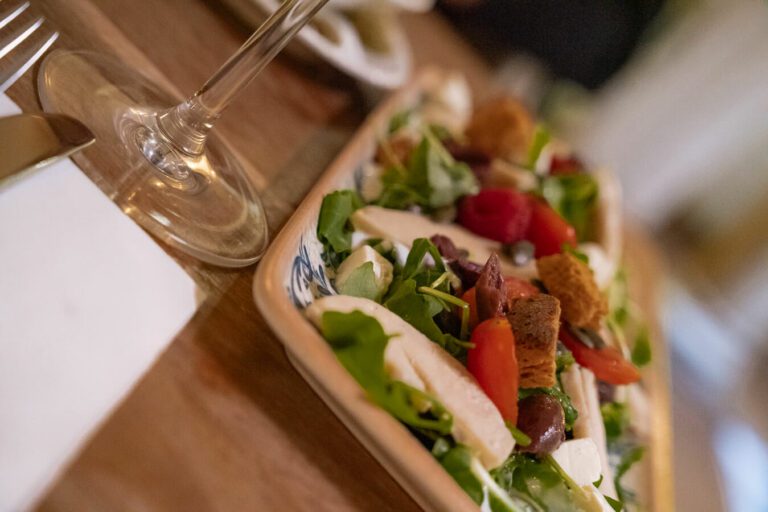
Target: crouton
535 322
502 128
572 282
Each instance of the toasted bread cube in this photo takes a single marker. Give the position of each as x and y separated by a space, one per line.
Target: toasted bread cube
502 128
572 282
535 322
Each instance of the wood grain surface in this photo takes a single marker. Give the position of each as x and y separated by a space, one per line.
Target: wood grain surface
222 421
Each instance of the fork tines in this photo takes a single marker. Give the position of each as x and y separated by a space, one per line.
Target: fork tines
24 38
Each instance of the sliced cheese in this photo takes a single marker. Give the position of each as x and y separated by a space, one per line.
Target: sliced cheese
580 459
396 363
404 227
580 384
476 421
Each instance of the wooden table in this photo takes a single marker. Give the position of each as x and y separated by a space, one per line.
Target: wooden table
222 421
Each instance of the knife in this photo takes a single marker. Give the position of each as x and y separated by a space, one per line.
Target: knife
32 141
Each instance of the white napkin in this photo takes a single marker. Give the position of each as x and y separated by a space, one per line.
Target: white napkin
87 302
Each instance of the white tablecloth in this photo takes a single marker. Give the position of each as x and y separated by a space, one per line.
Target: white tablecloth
87 301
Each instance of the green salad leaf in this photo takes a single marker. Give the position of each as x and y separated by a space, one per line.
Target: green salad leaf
431 179
409 298
541 138
359 341
542 481
616 505
478 483
400 120
628 459
569 411
574 197
362 283
641 350
563 358
333 227
615 418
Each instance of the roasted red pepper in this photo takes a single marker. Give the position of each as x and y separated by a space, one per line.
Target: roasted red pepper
606 363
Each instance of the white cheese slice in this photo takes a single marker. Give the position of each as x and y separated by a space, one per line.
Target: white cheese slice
580 384
396 363
476 421
580 459
382 268
405 227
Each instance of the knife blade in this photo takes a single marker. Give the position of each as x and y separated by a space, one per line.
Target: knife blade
33 141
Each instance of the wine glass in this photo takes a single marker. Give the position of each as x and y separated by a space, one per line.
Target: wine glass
160 163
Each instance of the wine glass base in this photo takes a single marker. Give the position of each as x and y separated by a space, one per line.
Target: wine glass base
203 205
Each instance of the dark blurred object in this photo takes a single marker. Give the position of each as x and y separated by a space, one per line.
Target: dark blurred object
582 40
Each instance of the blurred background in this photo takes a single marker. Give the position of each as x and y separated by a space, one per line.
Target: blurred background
673 95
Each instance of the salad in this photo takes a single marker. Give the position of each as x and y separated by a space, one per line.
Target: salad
482 303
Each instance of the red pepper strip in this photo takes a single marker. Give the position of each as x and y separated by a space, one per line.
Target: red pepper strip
606 363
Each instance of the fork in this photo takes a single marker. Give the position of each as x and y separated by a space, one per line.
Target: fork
24 38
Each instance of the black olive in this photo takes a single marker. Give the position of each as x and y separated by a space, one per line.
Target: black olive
541 418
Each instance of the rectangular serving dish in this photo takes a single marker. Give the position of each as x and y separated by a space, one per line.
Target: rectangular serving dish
292 274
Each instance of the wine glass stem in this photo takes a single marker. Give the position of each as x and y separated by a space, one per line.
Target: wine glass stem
187 125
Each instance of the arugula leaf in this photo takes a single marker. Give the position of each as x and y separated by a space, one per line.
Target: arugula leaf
618 299
616 505
415 263
399 120
520 437
563 359
541 138
641 351
362 283
615 418
576 253
628 459
409 298
574 197
333 227
419 310
569 411
539 481
432 178
471 476
359 341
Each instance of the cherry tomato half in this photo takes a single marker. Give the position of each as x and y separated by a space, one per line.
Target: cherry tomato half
606 363
548 231
494 364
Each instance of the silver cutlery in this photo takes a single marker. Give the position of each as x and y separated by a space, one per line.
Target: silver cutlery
33 141
24 38
30 141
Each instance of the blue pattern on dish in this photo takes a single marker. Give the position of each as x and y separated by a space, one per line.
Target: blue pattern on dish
309 277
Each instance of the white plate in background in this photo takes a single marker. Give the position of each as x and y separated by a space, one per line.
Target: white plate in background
360 37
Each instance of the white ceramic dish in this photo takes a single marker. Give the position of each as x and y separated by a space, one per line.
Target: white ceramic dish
292 274
333 36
